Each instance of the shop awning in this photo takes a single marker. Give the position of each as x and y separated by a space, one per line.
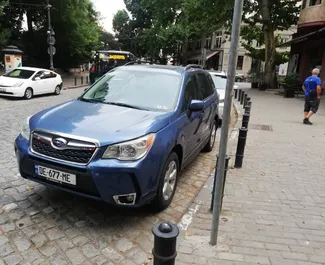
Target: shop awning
198 57
302 38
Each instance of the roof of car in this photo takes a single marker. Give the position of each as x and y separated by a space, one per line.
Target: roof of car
178 70
33 69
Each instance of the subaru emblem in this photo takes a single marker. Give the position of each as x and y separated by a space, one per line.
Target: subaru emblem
59 142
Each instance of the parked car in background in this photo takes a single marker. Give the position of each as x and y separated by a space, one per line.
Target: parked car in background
125 140
220 83
238 77
25 82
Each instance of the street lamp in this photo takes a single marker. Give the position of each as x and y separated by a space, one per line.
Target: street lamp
50 39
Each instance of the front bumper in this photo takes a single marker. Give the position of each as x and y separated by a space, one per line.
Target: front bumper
12 91
101 179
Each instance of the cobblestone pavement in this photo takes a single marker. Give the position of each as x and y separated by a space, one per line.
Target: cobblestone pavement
43 226
274 208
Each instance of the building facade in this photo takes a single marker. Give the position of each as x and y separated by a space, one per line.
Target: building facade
216 51
308 44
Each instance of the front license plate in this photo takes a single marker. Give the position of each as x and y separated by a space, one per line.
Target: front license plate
2 89
55 175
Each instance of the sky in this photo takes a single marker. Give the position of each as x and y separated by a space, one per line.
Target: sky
107 9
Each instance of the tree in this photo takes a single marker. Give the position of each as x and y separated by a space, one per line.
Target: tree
263 18
108 41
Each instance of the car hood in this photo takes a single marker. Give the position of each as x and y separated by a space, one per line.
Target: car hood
10 81
107 124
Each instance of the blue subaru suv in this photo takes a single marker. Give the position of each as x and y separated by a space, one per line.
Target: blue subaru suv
126 138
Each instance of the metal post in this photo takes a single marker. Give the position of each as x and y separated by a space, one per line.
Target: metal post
82 80
241 147
245 121
50 33
75 81
214 181
248 109
224 181
239 95
236 93
87 80
233 54
164 251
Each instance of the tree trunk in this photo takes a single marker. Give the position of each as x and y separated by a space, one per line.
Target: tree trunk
29 21
270 50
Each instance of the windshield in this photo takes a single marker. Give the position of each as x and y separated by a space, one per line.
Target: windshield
219 82
136 89
20 73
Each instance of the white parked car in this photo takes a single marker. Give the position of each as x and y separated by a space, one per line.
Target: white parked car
220 82
25 82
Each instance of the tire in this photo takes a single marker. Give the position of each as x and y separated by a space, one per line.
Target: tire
28 93
212 139
57 90
238 80
164 195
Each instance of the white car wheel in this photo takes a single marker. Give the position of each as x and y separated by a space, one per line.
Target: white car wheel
57 90
28 93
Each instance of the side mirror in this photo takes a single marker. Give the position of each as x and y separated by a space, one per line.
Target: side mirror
196 105
37 78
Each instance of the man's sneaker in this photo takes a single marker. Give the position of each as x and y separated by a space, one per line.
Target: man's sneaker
306 121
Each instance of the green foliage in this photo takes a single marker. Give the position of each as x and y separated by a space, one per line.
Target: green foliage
74 22
292 81
109 41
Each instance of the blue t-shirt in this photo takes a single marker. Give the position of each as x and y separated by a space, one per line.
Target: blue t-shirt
311 84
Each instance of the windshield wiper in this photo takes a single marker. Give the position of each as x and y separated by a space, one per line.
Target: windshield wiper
92 100
125 105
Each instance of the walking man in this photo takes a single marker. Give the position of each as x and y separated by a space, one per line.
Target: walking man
312 88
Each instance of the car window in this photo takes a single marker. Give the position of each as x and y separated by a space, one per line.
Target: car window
20 73
151 90
205 88
47 75
190 92
219 82
39 74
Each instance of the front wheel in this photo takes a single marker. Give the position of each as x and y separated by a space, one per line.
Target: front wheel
167 183
210 144
28 93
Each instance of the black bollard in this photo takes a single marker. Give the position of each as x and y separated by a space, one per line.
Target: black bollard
239 95
241 147
245 99
164 250
236 93
245 121
82 80
87 79
242 98
248 109
215 180
75 81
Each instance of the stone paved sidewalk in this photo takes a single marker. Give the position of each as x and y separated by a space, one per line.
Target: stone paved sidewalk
274 208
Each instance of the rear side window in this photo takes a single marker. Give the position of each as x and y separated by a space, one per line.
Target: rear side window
205 86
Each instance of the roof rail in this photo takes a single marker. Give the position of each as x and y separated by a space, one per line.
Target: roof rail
138 62
189 66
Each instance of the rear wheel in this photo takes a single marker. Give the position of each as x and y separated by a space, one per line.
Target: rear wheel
210 144
57 90
28 93
167 183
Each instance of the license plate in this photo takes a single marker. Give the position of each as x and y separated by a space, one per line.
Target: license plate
2 89
55 175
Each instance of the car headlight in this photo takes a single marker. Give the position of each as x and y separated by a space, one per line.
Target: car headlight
131 150
25 130
18 84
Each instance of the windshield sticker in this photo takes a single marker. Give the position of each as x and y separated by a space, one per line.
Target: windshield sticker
162 107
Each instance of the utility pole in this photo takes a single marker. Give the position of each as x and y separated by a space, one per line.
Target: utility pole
233 53
51 48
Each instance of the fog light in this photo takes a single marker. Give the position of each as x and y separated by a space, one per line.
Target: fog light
125 199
